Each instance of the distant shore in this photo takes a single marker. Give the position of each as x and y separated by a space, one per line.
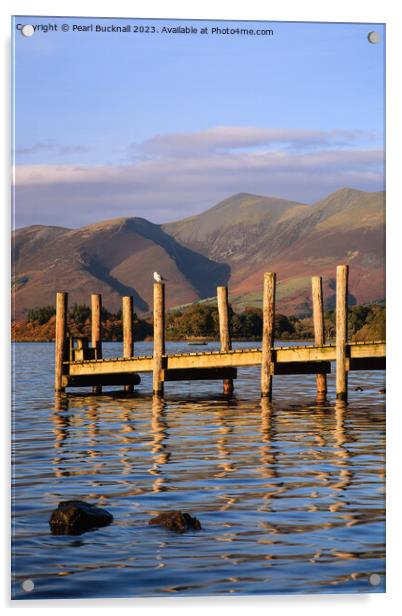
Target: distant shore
199 324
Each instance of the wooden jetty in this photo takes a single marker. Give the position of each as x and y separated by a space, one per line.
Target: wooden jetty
79 365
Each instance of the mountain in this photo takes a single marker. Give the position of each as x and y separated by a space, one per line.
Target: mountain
237 240
115 258
233 228
256 234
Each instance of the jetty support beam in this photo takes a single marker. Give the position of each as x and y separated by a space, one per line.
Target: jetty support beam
319 330
342 274
268 324
200 374
60 339
159 338
96 327
128 338
224 331
91 380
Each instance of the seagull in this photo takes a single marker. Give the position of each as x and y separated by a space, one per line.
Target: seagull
158 277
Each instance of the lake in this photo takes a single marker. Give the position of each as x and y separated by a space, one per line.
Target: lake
290 495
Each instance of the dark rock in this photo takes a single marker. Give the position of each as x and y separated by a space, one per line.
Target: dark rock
358 388
176 521
75 517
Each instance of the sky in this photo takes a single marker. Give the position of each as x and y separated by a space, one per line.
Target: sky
165 125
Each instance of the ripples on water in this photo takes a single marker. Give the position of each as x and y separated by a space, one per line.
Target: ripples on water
290 495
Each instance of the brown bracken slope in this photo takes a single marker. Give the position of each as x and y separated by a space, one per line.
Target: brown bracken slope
115 258
256 234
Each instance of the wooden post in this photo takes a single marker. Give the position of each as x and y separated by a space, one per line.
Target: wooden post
342 272
319 329
128 338
96 321
159 337
268 324
60 339
224 331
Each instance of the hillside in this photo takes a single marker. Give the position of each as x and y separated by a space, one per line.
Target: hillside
236 227
235 241
295 240
115 258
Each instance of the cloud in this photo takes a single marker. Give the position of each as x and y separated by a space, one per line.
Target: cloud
52 148
165 188
233 138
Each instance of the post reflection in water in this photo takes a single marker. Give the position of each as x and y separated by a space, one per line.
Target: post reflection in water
92 420
268 459
267 451
341 450
61 426
225 420
224 453
159 428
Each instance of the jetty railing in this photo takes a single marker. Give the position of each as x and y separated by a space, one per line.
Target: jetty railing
79 365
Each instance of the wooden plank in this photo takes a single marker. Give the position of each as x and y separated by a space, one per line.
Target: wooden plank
200 374
224 331
268 325
342 272
319 329
101 380
307 353
233 358
373 349
109 366
308 367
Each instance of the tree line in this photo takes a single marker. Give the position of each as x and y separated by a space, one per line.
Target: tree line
202 321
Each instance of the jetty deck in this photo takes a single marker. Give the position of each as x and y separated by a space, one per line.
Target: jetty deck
79 365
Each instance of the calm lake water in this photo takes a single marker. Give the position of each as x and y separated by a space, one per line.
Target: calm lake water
290 496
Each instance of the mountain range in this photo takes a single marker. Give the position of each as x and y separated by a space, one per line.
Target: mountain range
232 243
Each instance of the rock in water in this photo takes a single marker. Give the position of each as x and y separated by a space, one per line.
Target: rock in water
176 521
75 517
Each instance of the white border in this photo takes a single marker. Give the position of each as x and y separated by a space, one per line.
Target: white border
386 11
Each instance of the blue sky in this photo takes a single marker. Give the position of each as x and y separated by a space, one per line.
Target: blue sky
166 125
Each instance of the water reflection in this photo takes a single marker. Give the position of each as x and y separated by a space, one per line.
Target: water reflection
61 426
125 437
268 456
224 432
341 450
161 454
290 493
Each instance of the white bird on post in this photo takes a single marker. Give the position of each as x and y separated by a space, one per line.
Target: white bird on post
158 277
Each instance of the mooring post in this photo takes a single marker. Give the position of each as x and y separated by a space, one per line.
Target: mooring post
268 325
342 273
319 329
96 322
224 330
60 339
159 337
128 338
